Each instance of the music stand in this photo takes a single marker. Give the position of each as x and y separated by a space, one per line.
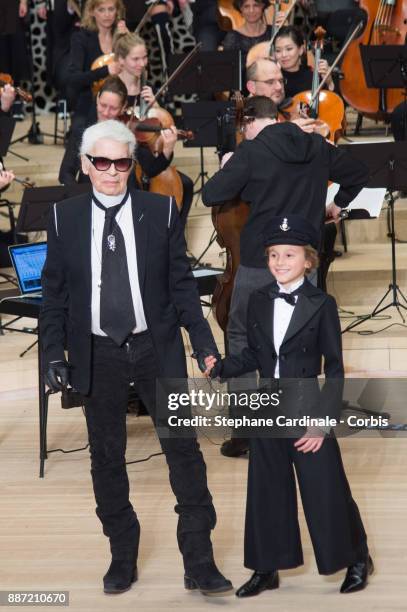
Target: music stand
385 67
387 162
36 203
208 72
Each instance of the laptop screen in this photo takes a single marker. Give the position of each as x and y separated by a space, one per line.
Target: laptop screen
28 261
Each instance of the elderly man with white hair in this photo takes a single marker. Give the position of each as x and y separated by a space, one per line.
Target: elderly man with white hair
117 287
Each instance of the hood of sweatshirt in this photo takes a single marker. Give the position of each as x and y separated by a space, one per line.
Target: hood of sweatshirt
289 143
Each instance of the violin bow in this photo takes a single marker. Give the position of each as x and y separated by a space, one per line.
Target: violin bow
337 59
145 16
176 72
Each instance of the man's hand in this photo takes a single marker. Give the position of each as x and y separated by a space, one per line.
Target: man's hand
311 441
57 375
332 213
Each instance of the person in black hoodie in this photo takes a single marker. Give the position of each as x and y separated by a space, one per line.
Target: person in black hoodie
277 170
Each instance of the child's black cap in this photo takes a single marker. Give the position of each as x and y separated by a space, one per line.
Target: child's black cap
291 229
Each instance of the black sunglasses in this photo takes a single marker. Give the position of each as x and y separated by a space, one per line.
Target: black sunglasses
103 163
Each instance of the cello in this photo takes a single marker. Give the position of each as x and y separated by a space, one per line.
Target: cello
386 24
319 104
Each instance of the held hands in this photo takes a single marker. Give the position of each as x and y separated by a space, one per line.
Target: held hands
206 359
332 213
311 441
57 375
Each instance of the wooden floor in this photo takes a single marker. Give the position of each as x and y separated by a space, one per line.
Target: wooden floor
50 538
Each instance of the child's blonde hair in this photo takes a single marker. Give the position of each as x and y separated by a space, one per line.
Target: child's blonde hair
311 255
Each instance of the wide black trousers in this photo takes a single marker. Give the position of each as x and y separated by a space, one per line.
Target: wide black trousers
272 534
113 368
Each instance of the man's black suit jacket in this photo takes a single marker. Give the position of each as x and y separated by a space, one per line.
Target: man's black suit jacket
168 288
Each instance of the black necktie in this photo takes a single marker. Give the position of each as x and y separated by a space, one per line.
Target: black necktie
117 318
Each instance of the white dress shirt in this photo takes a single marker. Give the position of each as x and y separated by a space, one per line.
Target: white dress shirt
124 219
283 311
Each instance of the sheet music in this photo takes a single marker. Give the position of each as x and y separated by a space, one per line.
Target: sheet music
368 199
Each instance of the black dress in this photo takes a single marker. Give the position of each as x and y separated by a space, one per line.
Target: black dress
235 40
85 48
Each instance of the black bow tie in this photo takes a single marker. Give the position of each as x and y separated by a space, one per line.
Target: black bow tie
288 297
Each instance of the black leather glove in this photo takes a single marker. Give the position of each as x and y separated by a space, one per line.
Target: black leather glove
201 354
57 375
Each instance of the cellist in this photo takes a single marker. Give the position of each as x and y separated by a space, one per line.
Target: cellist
278 169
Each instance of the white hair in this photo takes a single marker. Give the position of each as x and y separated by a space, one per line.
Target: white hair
107 130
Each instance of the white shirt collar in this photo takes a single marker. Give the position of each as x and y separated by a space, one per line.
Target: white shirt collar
292 288
108 200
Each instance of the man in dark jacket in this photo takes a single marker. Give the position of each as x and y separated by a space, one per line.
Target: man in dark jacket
117 288
277 170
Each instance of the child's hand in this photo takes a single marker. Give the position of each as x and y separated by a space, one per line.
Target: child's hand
210 364
311 441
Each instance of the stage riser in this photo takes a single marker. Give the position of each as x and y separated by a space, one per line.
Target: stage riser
361 288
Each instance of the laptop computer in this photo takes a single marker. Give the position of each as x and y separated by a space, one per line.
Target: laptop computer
28 261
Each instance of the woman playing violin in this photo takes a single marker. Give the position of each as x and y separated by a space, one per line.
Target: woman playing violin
289 49
101 18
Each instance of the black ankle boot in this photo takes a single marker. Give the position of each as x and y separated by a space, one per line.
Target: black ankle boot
235 447
208 579
357 575
260 581
120 575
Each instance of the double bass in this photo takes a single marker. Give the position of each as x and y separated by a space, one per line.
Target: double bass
386 24
228 220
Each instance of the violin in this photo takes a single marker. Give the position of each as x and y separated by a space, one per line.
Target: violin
101 62
385 24
7 79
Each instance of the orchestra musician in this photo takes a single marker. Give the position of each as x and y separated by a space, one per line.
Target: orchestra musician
265 78
254 29
116 262
61 22
132 57
101 19
110 104
289 51
278 169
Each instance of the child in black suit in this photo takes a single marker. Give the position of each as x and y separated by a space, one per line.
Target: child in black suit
291 326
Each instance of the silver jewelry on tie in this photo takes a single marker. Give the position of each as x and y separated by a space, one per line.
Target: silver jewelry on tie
111 242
